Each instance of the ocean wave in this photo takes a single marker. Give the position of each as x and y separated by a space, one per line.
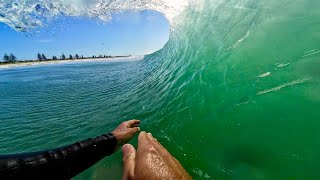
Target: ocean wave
26 15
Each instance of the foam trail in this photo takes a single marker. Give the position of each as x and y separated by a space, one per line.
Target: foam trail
264 75
283 65
311 53
299 81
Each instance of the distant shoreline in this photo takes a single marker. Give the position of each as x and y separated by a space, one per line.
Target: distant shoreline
47 62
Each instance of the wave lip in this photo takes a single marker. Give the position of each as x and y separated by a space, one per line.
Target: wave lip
23 16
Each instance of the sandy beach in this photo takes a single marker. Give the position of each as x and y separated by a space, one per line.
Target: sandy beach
37 63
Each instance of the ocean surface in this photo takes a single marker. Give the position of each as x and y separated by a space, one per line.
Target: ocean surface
234 94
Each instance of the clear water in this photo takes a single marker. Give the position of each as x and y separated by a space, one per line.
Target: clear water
234 94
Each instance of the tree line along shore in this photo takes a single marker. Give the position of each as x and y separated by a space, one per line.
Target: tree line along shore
10 59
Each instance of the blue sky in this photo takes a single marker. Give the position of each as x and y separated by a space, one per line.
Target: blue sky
129 33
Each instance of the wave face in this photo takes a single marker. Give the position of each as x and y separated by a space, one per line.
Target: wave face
236 89
234 94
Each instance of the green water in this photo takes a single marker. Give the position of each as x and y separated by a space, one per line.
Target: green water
234 94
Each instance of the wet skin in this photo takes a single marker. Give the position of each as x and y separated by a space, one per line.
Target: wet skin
150 161
125 132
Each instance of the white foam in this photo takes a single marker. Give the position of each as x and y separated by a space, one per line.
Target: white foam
23 15
283 65
311 53
264 75
299 81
